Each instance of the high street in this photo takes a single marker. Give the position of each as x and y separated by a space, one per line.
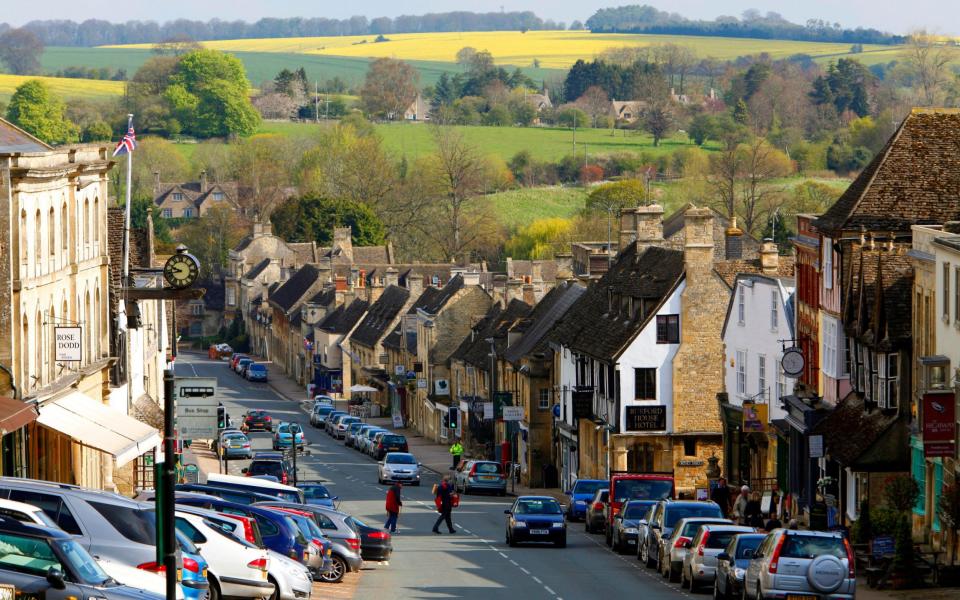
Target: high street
473 563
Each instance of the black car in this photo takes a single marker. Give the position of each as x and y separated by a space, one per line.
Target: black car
44 562
375 543
270 463
258 420
391 442
536 519
626 523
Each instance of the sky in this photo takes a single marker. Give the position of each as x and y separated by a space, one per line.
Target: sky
940 16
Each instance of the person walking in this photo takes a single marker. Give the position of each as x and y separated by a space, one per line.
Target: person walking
740 506
752 512
721 495
394 502
456 450
444 499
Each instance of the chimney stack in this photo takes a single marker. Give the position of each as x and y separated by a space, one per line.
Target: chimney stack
514 290
649 225
528 294
415 284
733 242
536 271
342 238
471 277
698 248
203 181
257 228
391 277
769 257
156 183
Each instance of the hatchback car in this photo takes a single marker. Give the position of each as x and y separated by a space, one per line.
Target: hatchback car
596 515
391 442
732 563
330 423
319 413
700 565
242 365
626 525
375 544
802 564
580 496
674 550
480 475
370 443
664 518
343 425
352 431
235 445
258 420
317 493
257 372
398 466
273 463
536 519
283 435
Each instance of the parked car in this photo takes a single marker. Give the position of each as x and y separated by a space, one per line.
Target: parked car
536 519
338 527
319 413
316 561
284 434
235 358
49 563
273 463
635 486
596 511
391 442
257 372
235 445
674 550
375 544
398 466
813 564
480 475
259 484
318 494
194 572
366 440
700 565
732 563
229 494
664 518
242 365
330 423
351 433
626 524
322 399
258 420
580 495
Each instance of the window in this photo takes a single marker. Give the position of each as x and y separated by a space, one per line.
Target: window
774 309
645 384
187 213
946 292
846 360
435 280
544 399
956 294
167 213
52 233
741 309
231 296
193 534
177 196
27 554
829 350
132 523
196 309
781 385
218 196
95 220
64 231
267 527
24 252
828 263
762 373
741 364
196 328
668 329
52 505
690 446
38 241
892 380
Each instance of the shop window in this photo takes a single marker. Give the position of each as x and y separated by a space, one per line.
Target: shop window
919 471
690 447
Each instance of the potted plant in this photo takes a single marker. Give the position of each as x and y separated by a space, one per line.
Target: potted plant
901 493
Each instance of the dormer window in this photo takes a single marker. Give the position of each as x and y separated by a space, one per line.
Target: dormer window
177 197
218 196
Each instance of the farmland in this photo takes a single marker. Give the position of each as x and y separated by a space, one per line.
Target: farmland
551 49
515 208
85 89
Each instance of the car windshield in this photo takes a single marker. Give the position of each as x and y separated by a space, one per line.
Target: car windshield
636 510
86 569
719 539
812 546
675 513
257 368
274 468
401 459
642 489
537 507
588 487
315 492
488 467
690 528
747 546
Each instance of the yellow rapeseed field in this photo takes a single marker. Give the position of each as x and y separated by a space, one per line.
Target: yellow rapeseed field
553 49
64 87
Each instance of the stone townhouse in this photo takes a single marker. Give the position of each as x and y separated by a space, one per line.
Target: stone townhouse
193 199
57 423
332 374
365 344
283 307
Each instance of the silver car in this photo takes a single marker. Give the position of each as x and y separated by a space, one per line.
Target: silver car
366 440
675 548
700 565
813 564
398 466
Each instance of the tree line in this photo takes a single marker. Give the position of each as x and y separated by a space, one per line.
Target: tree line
96 32
753 24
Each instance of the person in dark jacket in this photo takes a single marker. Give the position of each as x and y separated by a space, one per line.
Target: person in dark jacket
394 503
444 495
753 514
721 495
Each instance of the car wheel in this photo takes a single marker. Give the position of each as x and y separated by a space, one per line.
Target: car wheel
511 542
647 558
673 576
716 589
214 588
337 571
561 543
276 589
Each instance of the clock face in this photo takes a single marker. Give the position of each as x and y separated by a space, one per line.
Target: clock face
792 362
181 270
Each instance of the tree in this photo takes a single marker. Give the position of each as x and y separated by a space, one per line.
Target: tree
176 46
389 89
929 61
211 237
313 218
97 131
572 117
20 51
741 175
658 121
209 93
35 109
541 239
702 127
595 103
614 197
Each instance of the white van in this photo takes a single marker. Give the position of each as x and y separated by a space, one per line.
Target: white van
252 484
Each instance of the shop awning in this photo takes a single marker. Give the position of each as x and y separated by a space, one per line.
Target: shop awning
14 414
359 388
99 426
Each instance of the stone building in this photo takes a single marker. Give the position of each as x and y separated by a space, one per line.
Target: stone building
365 344
193 199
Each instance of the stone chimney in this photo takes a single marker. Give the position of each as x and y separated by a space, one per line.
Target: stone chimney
514 290
529 294
733 241
391 277
415 284
648 225
267 228
536 271
769 257
325 272
342 238
509 267
203 182
564 266
628 227
257 228
698 248
156 183
471 277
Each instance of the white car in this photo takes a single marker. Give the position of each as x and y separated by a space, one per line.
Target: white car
398 466
125 574
235 568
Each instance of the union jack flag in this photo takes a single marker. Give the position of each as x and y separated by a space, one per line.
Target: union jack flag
127 144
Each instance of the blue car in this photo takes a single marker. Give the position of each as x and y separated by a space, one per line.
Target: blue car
581 495
194 573
536 519
732 564
283 436
318 494
257 372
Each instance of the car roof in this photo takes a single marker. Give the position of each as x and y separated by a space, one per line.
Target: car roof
9 525
519 498
214 478
268 455
670 502
810 533
590 481
304 507
728 527
65 488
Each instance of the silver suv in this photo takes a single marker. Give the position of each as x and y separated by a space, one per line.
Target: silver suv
801 563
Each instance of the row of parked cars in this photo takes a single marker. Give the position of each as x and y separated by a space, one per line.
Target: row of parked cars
249 369
691 542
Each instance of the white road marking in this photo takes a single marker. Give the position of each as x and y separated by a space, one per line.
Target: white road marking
525 572
502 554
552 593
537 579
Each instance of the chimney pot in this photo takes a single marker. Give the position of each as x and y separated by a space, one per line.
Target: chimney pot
769 257
733 241
203 182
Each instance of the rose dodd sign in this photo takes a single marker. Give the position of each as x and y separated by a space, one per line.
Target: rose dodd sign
939 424
69 342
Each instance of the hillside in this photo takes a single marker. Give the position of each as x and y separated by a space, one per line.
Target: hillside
85 89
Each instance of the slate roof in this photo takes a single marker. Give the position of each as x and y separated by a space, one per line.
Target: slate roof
305 251
879 296
729 269
344 317
849 431
380 316
257 269
475 349
293 289
324 297
192 191
915 179
542 319
591 327
674 234
296 318
14 140
433 299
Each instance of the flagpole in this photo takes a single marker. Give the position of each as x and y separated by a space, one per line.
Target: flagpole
126 215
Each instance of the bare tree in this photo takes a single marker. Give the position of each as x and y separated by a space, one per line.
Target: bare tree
658 120
929 60
20 50
742 180
390 88
176 46
594 102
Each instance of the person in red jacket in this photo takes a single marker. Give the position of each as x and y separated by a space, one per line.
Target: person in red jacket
394 503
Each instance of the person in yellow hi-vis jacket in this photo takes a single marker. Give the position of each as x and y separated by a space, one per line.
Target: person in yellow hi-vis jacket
456 450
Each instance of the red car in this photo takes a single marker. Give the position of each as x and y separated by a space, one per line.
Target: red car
635 486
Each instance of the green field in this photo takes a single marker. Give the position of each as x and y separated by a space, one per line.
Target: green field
519 207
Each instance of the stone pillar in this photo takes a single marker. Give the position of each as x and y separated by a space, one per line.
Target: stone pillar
769 257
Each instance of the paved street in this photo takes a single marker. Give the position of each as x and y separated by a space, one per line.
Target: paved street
475 562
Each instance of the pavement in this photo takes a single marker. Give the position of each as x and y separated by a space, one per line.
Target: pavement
475 562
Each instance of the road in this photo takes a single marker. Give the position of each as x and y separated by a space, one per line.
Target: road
473 563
